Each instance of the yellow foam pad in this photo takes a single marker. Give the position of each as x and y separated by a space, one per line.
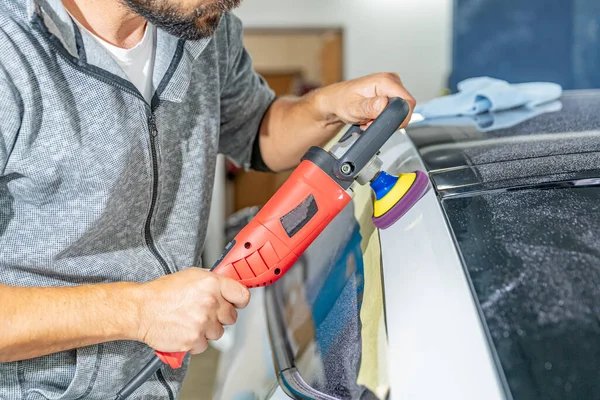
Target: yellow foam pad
385 204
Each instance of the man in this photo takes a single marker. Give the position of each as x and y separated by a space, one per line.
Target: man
111 115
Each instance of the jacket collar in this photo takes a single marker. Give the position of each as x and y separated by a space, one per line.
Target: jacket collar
173 60
57 21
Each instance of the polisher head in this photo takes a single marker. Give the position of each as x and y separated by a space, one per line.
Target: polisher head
395 196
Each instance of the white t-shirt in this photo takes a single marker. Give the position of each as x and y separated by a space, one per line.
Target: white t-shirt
137 62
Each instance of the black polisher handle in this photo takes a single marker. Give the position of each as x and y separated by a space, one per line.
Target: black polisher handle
371 140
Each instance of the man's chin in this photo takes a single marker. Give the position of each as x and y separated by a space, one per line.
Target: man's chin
210 24
190 27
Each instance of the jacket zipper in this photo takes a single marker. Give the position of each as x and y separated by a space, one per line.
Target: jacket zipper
161 379
147 233
154 156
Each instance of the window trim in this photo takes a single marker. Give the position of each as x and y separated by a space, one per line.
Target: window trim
288 376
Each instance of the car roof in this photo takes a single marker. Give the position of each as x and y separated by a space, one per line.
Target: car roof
469 154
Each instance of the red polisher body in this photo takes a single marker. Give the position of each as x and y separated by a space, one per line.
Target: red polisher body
270 244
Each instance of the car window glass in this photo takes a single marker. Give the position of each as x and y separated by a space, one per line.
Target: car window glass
533 259
322 298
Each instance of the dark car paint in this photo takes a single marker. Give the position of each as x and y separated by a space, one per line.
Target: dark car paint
524 207
533 257
560 146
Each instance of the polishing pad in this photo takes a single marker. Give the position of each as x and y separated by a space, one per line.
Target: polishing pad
396 195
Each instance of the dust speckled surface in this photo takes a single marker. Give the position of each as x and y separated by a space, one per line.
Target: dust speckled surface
533 257
554 143
508 173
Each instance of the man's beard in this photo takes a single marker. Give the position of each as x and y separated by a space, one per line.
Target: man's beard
197 24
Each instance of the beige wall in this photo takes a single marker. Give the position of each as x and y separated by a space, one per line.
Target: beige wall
283 52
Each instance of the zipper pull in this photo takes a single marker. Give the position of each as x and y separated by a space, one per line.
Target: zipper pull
152 123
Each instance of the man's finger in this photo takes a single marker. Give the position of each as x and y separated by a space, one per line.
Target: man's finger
234 292
227 314
403 93
200 346
368 109
215 332
390 85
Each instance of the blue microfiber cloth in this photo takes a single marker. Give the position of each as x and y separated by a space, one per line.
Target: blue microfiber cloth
491 121
480 95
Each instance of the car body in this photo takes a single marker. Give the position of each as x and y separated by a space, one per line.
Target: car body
488 287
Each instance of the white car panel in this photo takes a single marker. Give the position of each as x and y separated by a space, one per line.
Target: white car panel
437 345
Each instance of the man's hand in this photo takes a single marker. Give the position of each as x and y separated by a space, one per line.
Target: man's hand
361 100
178 312
292 125
183 311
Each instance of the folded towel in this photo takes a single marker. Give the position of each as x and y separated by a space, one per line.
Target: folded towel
479 95
492 121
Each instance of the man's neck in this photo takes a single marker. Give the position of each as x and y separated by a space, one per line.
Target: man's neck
110 20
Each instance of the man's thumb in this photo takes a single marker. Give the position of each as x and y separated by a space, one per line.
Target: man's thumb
373 106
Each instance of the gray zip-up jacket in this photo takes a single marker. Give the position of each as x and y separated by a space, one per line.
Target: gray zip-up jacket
97 185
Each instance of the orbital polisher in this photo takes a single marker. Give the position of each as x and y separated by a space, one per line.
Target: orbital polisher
315 193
